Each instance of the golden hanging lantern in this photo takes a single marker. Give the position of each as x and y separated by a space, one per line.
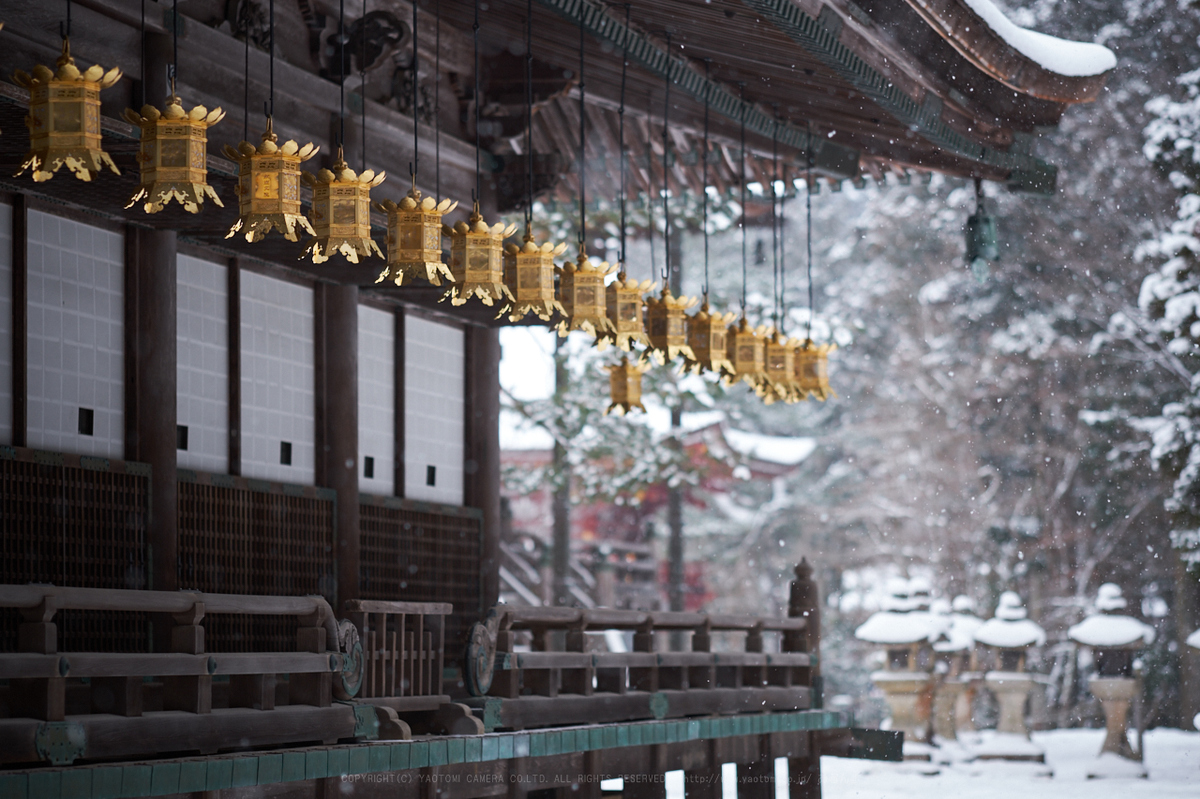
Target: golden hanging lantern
174 155
706 335
625 386
414 239
812 369
341 212
268 187
780 382
668 327
747 352
581 291
529 274
477 260
624 307
64 118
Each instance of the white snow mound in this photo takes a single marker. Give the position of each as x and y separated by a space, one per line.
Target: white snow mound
889 627
1193 640
1008 634
1110 630
1067 58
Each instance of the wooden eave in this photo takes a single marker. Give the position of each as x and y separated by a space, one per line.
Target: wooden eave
971 37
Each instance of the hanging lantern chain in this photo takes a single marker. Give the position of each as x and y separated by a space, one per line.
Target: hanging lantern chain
65 31
478 102
342 71
437 96
650 184
245 74
412 168
582 142
269 106
174 42
666 188
782 260
704 156
775 222
529 115
742 169
142 45
621 131
362 77
808 165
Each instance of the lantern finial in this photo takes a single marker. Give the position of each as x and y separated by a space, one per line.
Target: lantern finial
415 238
341 212
64 118
477 260
268 186
174 155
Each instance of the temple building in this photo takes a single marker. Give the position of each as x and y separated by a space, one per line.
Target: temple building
192 423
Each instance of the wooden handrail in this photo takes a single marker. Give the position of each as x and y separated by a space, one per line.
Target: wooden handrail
527 618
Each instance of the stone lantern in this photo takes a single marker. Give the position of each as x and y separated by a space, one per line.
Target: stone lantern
1113 637
1008 636
954 665
906 631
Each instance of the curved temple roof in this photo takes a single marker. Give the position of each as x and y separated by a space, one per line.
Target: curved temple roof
1030 62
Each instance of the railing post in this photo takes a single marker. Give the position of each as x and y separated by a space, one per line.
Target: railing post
506 683
312 689
644 679
42 698
575 680
804 773
702 676
193 693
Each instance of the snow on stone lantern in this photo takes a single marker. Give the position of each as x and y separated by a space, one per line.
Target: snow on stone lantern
1008 635
1113 637
953 665
1193 641
906 631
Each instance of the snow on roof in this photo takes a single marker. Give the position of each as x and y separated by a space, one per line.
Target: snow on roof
1193 640
1111 630
889 627
776 449
1067 58
1010 633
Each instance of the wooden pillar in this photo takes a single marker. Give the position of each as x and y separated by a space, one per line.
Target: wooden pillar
336 338
481 465
150 407
233 310
399 361
804 773
20 324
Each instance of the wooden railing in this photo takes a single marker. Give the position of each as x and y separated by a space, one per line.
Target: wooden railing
111 704
403 645
643 683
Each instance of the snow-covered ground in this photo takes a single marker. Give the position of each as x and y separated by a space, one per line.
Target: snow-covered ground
1172 758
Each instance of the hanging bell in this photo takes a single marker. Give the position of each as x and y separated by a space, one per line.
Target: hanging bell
414 239
174 155
341 212
64 118
667 321
581 290
780 383
746 347
812 369
268 187
477 260
624 307
625 386
706 335
529 275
